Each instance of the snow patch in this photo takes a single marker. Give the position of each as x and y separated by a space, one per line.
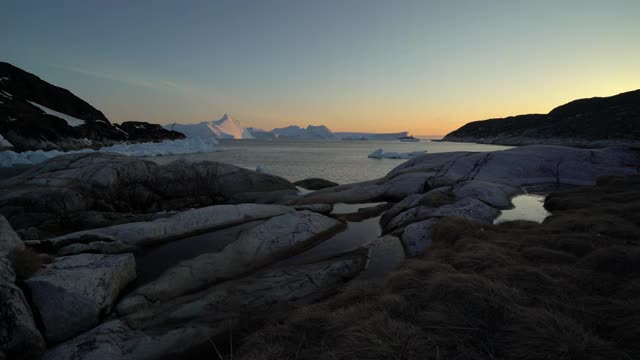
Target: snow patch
170 147
69 119
6 94
4 142
380 154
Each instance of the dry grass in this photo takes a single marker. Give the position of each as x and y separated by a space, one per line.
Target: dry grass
565 289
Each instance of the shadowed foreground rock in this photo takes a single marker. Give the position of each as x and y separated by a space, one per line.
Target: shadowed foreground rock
48 196
190 321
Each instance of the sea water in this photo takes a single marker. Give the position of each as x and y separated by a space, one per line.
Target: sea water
338 161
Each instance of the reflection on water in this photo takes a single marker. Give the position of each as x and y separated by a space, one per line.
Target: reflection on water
355 235
526 207
342 208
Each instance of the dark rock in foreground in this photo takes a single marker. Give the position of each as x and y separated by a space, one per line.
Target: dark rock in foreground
594 122
48 196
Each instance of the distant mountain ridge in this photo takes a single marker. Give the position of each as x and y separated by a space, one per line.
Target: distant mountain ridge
36 115
592 122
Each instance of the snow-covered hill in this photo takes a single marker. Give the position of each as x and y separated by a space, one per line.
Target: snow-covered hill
225 128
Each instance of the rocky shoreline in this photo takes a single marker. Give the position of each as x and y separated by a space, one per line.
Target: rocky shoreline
90 217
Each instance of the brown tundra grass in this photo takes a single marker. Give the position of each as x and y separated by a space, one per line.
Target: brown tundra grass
565 289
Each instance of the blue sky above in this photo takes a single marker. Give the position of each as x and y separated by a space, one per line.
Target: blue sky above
422 66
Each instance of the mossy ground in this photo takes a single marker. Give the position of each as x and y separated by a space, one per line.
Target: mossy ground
565 289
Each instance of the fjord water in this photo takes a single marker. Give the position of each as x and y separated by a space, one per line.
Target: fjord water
339 161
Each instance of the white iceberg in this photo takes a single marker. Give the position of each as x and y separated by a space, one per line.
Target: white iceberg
380 154
225 128
169 147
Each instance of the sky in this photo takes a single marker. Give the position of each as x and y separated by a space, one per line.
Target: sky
421 66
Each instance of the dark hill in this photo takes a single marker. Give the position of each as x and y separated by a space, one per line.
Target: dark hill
598 121
27 126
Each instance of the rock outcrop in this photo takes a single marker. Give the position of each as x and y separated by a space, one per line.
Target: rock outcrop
170 329
35 115
48 196
73 293
594 122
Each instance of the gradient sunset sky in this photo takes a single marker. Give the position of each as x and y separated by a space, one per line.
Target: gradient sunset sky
427 67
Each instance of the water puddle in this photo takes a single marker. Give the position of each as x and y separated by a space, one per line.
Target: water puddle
153 262
343 208
386 253
526 207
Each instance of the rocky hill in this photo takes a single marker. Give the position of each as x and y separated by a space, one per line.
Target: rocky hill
35 114
593 122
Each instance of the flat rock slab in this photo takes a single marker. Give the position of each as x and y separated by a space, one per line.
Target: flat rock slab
275 239
73 293
536 164
186 223
19 336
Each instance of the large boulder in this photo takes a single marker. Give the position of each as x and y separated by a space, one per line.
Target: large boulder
169 330
180 225
275 239
19 336
50 194
417 237
73 293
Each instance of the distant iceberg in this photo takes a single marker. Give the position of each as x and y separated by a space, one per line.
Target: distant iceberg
225 128
369 136
169 147
380 154
311 132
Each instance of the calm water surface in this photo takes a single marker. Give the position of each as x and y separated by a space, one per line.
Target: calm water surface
339 161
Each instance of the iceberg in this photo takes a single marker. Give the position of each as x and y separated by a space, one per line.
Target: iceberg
225 128
170 147
380 154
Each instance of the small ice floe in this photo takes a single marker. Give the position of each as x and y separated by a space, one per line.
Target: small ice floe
263 169
380 154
